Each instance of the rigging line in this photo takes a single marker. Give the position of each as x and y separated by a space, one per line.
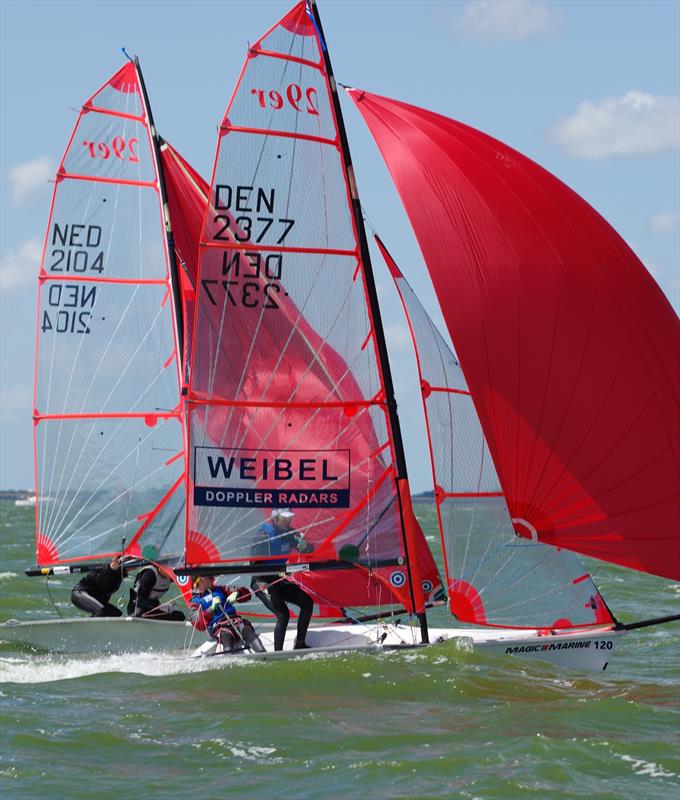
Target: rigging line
355 468
85 397
263 439
92 466
93 426
49 594
102 360
211 381
130 491
102 483
171 526
330 442
557 589
249 531
334 386
257 166
503 528
146 478
326 601
295 329
523 553
512 554
83 450
54 343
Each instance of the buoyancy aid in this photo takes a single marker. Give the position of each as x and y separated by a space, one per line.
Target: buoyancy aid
145 594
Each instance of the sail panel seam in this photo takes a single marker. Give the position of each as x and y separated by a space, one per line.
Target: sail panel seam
256 51
273 249
101 179
87 109
308 137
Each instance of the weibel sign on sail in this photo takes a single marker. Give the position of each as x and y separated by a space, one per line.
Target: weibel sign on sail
246 478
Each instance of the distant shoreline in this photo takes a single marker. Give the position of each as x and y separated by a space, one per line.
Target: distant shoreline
15 494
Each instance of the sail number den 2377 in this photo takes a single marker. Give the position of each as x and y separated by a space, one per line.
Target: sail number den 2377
248 278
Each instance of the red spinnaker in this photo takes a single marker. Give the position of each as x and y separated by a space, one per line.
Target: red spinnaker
570 349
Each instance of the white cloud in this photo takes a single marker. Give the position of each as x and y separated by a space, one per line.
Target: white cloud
398 338
665 222
16 401
635 124
19 267
506 20
30 176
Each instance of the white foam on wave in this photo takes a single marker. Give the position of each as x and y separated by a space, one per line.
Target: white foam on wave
648 768
47 668
5 575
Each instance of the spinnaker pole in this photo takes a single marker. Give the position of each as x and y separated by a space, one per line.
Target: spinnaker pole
372 295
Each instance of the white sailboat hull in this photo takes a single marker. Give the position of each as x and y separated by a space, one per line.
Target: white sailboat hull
574 649
102 634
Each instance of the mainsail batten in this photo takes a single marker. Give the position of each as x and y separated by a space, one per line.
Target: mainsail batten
287 403
570 349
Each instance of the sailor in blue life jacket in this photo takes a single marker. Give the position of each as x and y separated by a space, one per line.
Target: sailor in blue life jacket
278 538
212 609
93 592
151 583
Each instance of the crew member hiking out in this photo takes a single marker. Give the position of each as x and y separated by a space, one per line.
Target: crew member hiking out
212 609
151 583
278 538
93 592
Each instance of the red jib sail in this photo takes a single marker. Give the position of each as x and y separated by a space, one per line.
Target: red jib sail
287 403
187 194
570 349
109 451
493 576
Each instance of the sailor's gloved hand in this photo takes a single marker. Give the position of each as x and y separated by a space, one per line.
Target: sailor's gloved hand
232 597
303 545
216 603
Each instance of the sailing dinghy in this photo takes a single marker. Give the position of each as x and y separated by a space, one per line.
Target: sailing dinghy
290 367
553 431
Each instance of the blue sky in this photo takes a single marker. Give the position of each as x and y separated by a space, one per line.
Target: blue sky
590 90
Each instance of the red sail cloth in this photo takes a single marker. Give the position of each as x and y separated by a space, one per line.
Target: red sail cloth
187 195
570 349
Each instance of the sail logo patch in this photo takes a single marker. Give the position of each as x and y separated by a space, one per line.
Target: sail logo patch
397 578
248 478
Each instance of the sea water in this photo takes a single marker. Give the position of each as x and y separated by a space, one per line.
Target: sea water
440 723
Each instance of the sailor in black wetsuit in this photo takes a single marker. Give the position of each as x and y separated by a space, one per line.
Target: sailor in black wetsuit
151 583
93 592
277 538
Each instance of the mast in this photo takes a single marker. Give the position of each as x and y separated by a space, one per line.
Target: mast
174 276
390 402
